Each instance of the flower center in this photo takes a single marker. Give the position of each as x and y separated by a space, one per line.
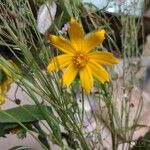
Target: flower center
80 60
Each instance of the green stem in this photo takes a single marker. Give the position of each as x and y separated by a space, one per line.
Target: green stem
113 134
42 136
72 122
110 107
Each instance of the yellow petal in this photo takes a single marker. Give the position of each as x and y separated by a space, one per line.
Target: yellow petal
99 72
76 34
2 99
69 75
62 44
75 30
93 40
104 58
86 79
6 85
59 62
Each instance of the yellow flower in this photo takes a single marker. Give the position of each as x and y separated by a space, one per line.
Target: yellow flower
78 57
6 80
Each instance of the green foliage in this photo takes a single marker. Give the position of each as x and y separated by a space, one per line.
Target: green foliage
68 7
28 114
20 148
24 114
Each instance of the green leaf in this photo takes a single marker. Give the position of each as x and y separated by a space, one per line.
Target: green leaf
27 114
30 114
20 148
68 7
5 127
24 114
